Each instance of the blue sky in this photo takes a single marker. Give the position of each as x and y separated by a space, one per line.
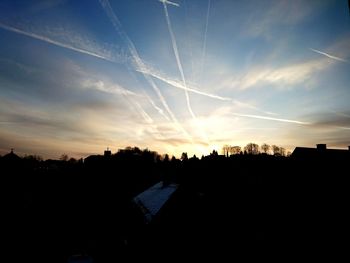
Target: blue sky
78 76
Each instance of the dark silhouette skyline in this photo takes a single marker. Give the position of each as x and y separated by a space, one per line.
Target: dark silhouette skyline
110 206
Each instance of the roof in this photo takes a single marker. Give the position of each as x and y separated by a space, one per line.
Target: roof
11 157
154 198
306 152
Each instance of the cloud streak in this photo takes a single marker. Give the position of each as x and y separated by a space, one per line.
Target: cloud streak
283 77
169 3
271 118
179 85
205 37
138 62
178 61
328 55
54 42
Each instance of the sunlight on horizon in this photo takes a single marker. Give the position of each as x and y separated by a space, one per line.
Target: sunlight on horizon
172 76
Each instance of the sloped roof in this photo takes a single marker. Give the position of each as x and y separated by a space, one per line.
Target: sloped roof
154 198
306 152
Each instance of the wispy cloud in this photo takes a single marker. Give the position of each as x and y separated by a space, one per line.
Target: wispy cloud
328 55
166 2
111 89
266 16
178 61
179 85
204 50
160 111
281 77
139 64
56 43
270 118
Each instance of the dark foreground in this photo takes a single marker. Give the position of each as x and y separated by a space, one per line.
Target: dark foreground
251 205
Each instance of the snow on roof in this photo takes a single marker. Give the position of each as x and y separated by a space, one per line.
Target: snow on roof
151 200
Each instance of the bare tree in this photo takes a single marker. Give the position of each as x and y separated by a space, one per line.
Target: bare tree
184 156
265 148
275 150
282 151
226 149
235 149
64 157
252 148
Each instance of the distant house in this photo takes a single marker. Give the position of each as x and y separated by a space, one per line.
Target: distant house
11 157
107 152
321 152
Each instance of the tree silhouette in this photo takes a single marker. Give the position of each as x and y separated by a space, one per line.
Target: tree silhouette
282 151
265 148
275 150
184 156
226 149
252 148
64 157
235 149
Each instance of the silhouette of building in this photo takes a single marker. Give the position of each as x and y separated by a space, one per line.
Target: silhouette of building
11 157
320 152
107 152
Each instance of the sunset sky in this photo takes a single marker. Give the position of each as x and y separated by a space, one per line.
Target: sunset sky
183 76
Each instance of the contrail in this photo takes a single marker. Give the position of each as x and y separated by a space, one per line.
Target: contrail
328 55
169 3
176 52
205 37
139 64
270 118
53 42
160 111
148 119
252 107
179 85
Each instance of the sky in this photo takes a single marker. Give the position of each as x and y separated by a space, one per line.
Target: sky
189 76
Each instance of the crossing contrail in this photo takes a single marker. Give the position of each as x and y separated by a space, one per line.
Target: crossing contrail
160 111
178 61
54 42
329 56
179 85
126 93
169 3
205 38
270 118
138 62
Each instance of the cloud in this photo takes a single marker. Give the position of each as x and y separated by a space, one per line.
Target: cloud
107 88
166 2
177 84
76 47
178 61
282 77
329 56
139 64
267 16
271 118
335 120
204 50
332 128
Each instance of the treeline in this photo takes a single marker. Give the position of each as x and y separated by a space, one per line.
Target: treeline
253 148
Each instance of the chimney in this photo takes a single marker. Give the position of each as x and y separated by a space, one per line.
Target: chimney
321 147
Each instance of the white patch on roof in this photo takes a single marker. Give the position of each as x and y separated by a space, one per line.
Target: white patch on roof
152 200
